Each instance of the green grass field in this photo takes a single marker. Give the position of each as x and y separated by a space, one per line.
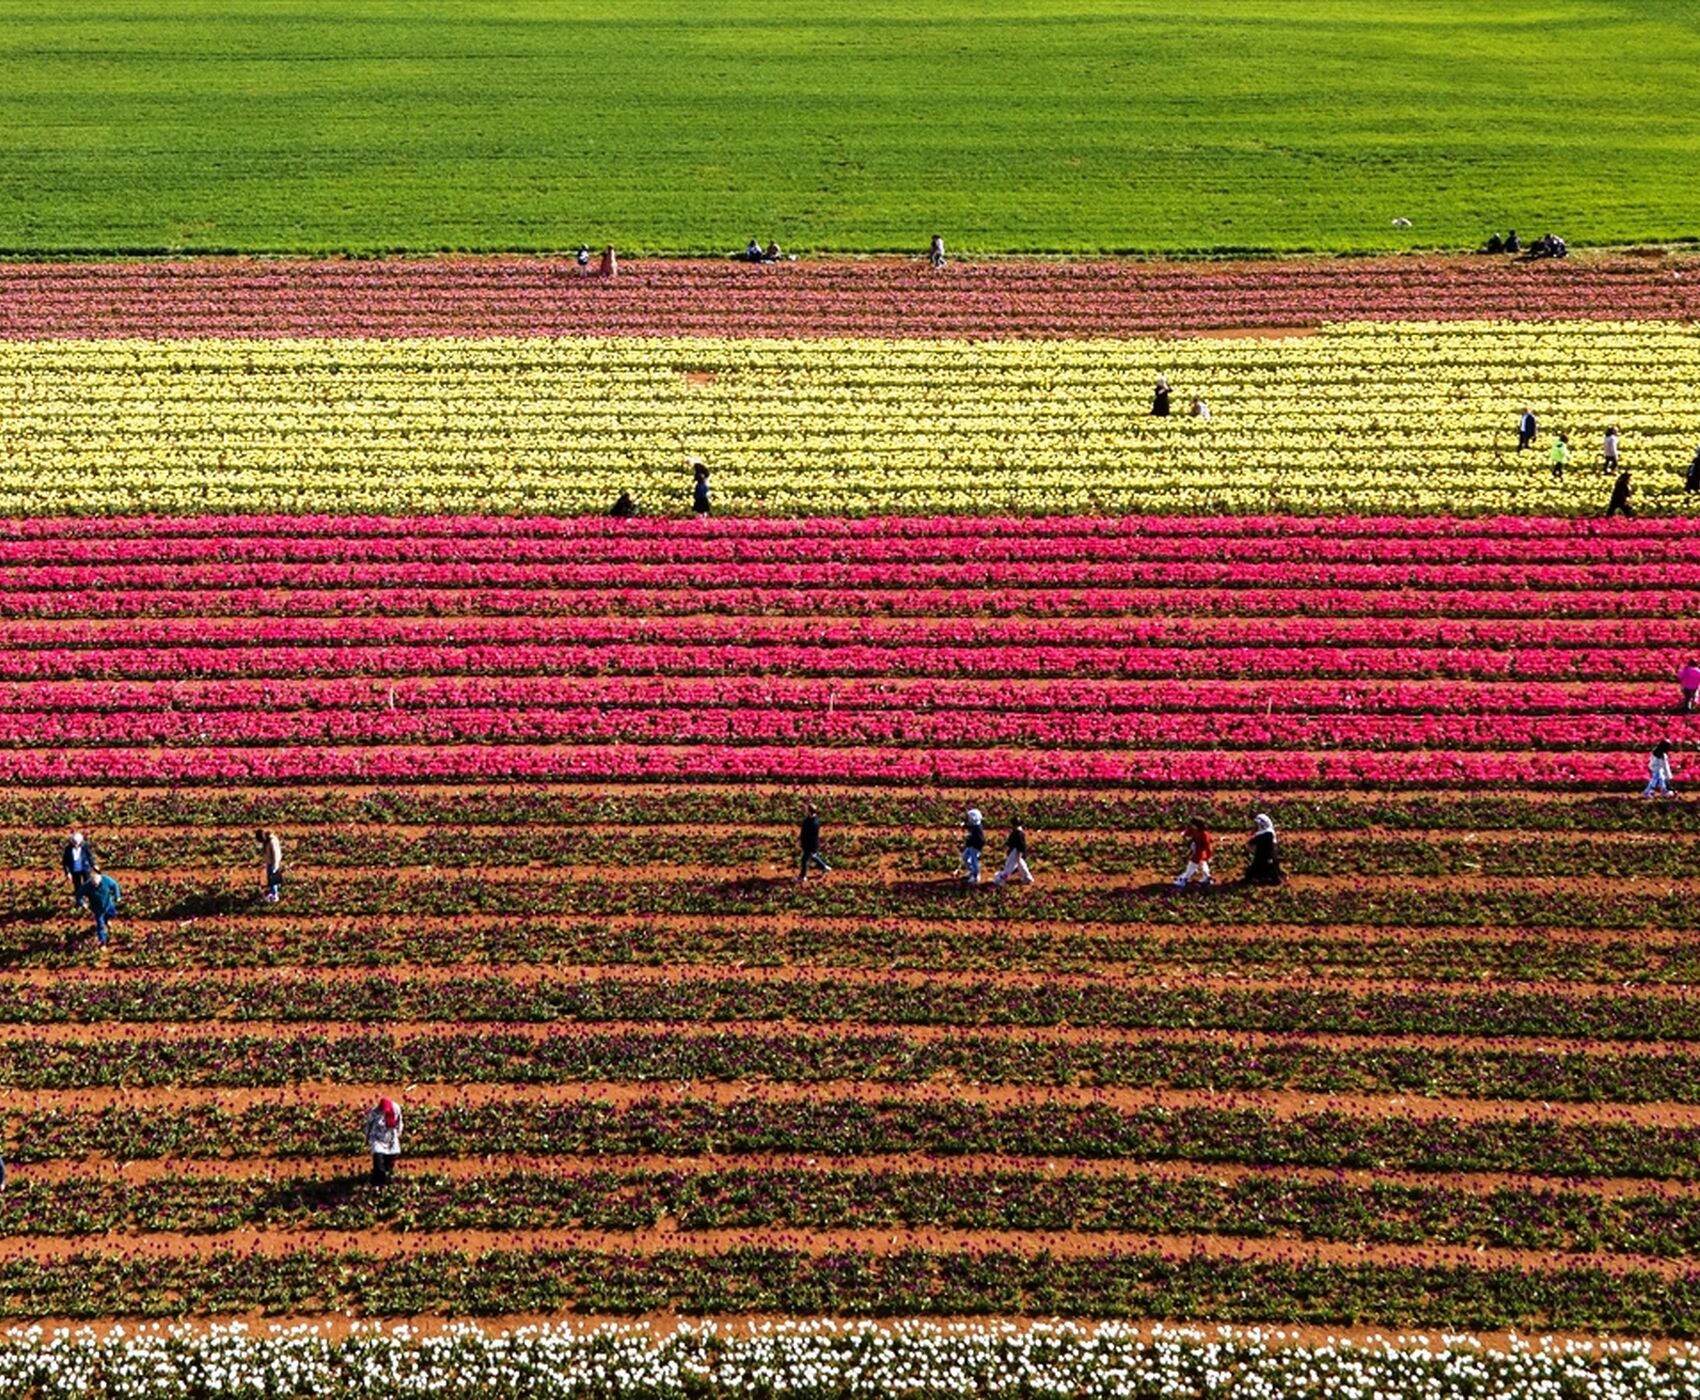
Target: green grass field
674 125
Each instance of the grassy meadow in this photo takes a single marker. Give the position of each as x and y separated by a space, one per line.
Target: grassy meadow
1007 125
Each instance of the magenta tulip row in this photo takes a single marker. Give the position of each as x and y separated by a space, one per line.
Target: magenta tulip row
419 697
723 763
881 298
683 599
652 543
893 727
1224 637
455 531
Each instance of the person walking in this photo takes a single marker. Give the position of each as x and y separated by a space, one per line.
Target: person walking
1265 867
1619 503
808 838
973 842
271 852
103 896
1199 848
699 490
1160 397
78 861
383 1138
1015 856
1688 679
1527 429
582 257
1658 771
935 252
1560 456
1608 454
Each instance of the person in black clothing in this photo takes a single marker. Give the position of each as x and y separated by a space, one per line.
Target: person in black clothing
1015 858
699 492
1527 428
809 839
624 508
1691 482
1513 244
1265 867
582 257
77 859
1160 398
1620 498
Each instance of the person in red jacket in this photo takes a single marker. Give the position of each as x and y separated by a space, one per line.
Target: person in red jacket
1199 848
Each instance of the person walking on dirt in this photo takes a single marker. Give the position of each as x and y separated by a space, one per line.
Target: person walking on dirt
1658 771
1608 454
973 842
808 837
1199 848
1619 503
383 1138
935 252
1265 867
271 852
1527 428
1160 397
78 861
1688 679
1560 456
103 895
1015 856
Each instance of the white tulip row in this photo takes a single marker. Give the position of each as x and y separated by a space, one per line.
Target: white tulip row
806 1360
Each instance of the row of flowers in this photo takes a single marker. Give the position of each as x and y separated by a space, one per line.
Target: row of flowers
824 1125
1402 418
503 1056
818 1361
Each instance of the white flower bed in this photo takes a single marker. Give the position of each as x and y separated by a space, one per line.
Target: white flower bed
817 1359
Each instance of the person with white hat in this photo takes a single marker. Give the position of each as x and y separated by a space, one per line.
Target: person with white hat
973 842
77 860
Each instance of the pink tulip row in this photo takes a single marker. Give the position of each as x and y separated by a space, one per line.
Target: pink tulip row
454 530
1208 570
114 601
1009 638
1325 660
892 728
882 298
197 700
654 544
723 763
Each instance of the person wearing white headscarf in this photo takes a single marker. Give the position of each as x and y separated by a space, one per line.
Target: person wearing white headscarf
1265 867
973 842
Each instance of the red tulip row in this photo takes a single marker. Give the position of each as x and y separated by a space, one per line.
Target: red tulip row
882 298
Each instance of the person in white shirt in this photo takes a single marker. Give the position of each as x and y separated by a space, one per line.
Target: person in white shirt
1658 771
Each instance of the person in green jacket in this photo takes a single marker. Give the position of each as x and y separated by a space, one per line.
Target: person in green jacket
103 895
1560 455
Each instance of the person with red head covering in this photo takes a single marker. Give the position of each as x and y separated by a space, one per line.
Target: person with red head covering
383 1137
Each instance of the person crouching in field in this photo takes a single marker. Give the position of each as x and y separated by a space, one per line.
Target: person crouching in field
1265 867
271 852
1199 848
383 1138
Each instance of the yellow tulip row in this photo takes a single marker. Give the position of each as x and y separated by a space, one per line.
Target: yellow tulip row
1411 418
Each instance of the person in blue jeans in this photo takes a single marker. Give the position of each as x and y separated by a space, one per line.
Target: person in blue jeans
78 861
103 895
808 836
973 842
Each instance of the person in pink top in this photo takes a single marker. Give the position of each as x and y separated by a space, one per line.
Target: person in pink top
1689 679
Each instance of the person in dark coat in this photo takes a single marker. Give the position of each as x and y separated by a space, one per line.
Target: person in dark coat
808 838
699 490
1015 856
1527 427
1691 482
77 859
973 842
1160 397
1619 504
1265 867
624 508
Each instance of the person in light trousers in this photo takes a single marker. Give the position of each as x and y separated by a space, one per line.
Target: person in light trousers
1015 857
383 1139
1658 771
973 842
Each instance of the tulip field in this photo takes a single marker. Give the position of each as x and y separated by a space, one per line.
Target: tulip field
322 549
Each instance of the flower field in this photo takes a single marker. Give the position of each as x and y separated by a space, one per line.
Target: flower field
539 781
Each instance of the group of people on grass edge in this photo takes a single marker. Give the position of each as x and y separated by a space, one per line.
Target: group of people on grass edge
97 892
